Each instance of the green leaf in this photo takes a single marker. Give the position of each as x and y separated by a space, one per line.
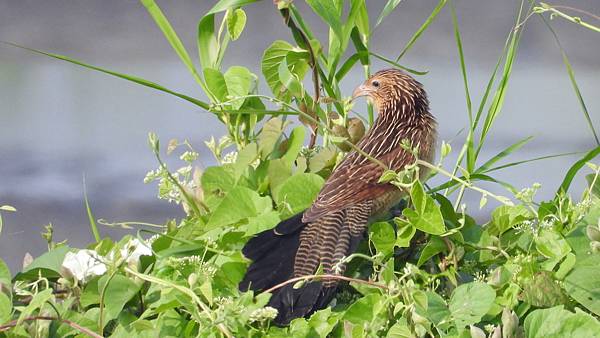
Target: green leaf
294 145
239 81
543 291
583 283
437 310
48 264
433 247
426 215
119 291
289 80
558 323
506 216
400 330
326 9
364 309
215 84
262 222
240 203
236 21
298 192
383 237
5 308
469 302
551 244
5 276
389 8
296 60
269 135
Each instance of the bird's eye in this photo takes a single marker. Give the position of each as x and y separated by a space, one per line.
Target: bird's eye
375 83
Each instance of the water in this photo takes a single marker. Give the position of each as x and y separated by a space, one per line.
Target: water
59 122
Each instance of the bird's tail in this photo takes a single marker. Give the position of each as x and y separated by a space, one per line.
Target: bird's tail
293 249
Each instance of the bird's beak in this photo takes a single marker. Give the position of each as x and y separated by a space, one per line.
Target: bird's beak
361 90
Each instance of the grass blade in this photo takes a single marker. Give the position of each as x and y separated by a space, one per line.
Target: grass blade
512 164
91 218
389 8
461 56
510 149
127 77
423 27
573 81
396 64
171 35
566 183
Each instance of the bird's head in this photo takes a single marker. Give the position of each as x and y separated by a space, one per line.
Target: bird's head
391 88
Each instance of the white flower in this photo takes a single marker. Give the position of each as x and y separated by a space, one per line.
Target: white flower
133 250
83 265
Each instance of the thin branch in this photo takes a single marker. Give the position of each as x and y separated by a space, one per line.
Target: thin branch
72 324
325 277
313 64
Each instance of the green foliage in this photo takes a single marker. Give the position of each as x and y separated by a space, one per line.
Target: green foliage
432 270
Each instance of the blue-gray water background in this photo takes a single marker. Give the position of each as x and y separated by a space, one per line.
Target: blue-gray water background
59 122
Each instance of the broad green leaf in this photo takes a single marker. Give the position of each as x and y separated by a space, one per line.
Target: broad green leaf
322 323
215 84
118 292
469 302
426 215
240 203
269 135
543 291
239 81
5 308
296 60
289 80
558 323
389 8
505 217
262 222
433 247
216 182
383 237
49 264
327 10
437 310
236 21
406 231
583 283
5 276
298 192
551 244
294 145
400 330
365 309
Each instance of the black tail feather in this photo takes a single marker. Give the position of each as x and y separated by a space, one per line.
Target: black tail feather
273 252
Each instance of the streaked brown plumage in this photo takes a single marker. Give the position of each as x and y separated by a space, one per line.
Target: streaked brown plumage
333 226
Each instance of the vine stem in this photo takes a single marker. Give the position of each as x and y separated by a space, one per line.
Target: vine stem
326 277
72 324
224 330
501 199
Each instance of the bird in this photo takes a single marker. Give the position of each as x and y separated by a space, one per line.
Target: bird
320 237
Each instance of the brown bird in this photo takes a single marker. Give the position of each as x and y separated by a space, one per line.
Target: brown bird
333 226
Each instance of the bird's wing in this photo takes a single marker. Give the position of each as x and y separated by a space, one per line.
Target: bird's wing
354 181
